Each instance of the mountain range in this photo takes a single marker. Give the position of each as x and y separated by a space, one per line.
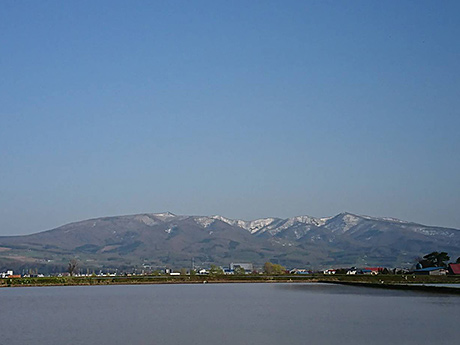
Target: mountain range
157 240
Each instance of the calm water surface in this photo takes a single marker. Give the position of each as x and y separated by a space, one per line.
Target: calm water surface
226 314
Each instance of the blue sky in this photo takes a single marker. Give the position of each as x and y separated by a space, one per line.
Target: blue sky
247 109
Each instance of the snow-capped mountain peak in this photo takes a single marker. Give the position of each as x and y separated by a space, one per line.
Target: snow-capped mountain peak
252 226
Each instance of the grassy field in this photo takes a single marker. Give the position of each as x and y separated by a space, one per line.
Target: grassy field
164 279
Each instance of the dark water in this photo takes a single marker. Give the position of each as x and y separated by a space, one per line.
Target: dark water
226 314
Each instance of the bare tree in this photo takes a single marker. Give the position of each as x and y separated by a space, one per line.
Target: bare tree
72 267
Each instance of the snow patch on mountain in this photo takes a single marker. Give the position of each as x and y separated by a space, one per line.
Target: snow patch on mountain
146 220
432 232
299 234
342 222
302 220
395 220
275 225
350 221
387 219
259 224
164 216
251 226
282 225
204 221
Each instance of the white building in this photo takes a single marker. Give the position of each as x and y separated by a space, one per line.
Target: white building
6 274
248 267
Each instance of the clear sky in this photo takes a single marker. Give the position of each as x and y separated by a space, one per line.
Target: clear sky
246 109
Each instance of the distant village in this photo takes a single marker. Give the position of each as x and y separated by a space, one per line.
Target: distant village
249 269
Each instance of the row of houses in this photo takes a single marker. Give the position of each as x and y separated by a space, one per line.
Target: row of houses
452 269
349 271
231 269
248 268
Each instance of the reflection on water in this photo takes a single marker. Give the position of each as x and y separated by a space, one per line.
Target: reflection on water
324 288
226 314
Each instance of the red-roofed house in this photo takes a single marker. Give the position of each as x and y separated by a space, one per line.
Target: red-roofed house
454 268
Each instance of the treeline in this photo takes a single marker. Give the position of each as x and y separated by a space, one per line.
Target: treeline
435 259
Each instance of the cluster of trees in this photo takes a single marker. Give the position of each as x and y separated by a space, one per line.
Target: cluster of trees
435 259
215 270
269 268
274 269
239 271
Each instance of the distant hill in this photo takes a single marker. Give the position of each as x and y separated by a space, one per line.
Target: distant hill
158 240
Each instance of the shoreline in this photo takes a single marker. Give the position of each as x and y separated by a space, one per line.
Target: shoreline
410 287
382 282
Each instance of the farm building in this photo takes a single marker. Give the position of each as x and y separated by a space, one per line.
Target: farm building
431 271
454 269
